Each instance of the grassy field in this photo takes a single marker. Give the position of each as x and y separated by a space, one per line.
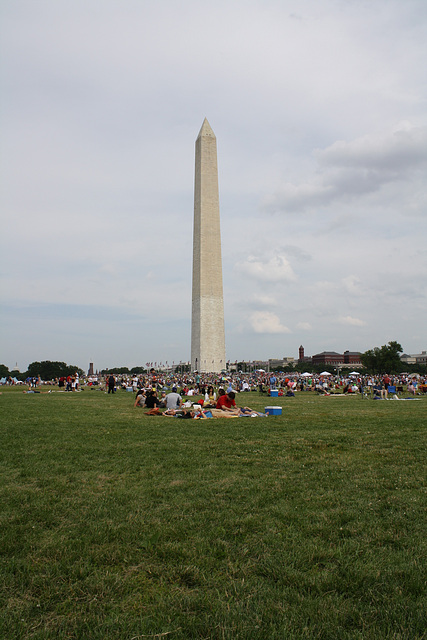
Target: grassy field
119 525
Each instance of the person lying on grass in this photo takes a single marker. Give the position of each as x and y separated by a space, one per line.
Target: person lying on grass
227 405
186 414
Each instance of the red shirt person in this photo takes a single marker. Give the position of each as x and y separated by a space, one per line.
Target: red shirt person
226 402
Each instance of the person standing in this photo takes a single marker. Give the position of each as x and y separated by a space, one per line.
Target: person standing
111 384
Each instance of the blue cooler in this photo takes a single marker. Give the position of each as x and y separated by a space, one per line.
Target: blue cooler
273 411
274 393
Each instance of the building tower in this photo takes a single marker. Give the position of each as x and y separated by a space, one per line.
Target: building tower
207 321
301 354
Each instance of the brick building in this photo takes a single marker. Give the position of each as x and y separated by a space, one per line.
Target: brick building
352 358
332 358
328 357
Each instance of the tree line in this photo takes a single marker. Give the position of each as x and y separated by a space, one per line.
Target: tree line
46 369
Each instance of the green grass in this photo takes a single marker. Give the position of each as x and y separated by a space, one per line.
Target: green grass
119 525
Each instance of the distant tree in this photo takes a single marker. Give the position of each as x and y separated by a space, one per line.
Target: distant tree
4 371
72 370
15 373
115 370
415 368
385 359
245 366
48 370
304 366
137 370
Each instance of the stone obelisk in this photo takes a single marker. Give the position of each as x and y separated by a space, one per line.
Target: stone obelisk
207 325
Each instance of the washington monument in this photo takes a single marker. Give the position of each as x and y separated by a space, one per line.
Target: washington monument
207 322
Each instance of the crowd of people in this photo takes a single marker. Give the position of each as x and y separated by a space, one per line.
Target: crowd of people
208 405
195 384
213 395
157 391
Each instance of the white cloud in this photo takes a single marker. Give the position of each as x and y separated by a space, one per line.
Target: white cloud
347 171
391 154
353 322
267 322
274 269
352 284
304 326
264 300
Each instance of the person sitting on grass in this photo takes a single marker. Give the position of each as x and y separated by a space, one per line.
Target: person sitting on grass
162 400
140 399
210 398
173 400
152 401
227 405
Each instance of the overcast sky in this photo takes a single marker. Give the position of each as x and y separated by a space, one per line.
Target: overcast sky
320 113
